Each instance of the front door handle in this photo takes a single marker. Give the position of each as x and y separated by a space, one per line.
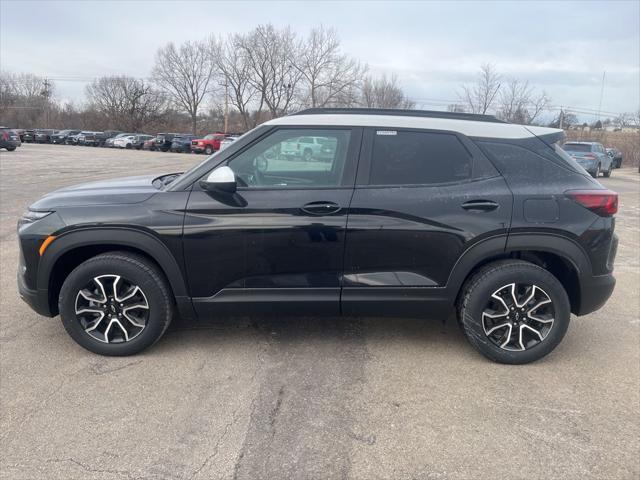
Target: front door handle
321 208
480 205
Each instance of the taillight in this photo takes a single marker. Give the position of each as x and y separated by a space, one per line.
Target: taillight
5 135
601 202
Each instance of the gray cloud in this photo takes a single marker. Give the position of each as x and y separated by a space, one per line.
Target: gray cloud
562 47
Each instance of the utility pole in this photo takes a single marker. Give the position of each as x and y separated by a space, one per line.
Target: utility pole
226 105
46 92
601 94
561 118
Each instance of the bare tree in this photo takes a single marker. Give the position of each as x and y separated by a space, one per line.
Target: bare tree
186 74
25 99
481 96
233 63
126 102
520 104
271 56
382 92
329 77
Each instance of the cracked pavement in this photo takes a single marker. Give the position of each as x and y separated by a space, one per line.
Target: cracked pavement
258 398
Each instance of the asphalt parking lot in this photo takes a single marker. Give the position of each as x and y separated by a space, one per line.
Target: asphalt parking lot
308 398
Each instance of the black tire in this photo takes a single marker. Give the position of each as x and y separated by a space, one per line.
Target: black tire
139 272
607 174
208 150
11 149
596 174
477 293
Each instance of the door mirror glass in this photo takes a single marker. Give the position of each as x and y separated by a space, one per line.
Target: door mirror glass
222 179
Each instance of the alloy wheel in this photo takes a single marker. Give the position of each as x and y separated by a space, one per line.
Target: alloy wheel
111 309
518 316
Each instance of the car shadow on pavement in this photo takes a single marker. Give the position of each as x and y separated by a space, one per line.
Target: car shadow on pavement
299 330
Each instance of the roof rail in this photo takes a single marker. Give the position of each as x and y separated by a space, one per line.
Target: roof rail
399 113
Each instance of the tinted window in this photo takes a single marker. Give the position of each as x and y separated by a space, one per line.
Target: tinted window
286 160
576 147
416 158
521 163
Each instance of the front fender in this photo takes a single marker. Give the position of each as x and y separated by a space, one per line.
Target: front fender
141 240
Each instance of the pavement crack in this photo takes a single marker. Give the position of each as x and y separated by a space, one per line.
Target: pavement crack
100 368
89 468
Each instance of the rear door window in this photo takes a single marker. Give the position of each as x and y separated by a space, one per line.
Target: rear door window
418 158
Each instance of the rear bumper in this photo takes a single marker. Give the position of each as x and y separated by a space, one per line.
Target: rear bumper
594 293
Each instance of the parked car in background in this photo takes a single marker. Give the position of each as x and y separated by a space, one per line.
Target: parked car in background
309 148
29 136
72 139
208 144
106 135
616 156
228 141
591 156
163 141
138 140
123 141
150 144
44 135
9 139
93 139
20 133
182 143
109 142
60 138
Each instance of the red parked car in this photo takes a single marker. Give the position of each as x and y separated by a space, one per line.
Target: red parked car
208 144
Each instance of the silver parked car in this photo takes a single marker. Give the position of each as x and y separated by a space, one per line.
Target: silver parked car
591 156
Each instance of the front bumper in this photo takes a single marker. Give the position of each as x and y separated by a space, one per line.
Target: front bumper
38 300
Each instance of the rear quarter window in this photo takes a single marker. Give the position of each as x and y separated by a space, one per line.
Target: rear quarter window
519 162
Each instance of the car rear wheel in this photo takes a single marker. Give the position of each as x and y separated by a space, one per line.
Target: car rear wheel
11 149
514 312
116 303
307 155
596 174
208 150
607 174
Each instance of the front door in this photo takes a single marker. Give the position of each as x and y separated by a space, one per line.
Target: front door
277 244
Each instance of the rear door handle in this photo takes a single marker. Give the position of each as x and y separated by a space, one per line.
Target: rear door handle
480 205
321 208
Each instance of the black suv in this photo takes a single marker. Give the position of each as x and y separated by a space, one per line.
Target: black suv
415 214
164 141
182 143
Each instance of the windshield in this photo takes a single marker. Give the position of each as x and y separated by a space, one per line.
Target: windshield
577 147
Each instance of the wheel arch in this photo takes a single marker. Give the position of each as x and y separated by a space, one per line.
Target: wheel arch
561 256
73 248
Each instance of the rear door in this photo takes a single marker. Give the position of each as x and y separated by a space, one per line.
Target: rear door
422 198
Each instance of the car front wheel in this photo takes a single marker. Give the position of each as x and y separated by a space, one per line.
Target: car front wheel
514 312
116 303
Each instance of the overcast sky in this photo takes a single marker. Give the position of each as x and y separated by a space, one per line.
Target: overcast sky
433 47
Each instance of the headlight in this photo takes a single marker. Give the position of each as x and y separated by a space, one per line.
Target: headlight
31 216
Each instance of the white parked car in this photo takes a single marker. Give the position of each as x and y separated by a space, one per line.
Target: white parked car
227 141
123 142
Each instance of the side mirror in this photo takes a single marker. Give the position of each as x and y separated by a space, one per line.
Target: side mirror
222 179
